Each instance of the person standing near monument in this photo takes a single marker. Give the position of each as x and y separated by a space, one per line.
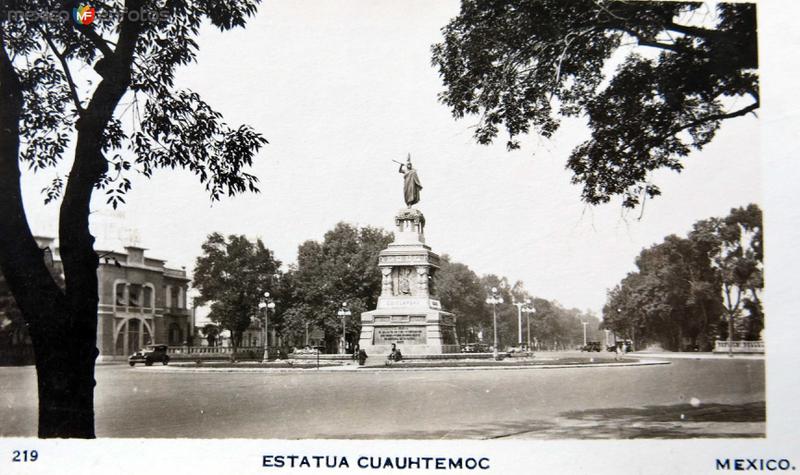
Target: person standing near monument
411 184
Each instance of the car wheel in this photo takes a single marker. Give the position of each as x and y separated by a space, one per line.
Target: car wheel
132 363
148 362
165 362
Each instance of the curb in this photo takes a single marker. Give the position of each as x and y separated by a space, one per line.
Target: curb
704 356
356 369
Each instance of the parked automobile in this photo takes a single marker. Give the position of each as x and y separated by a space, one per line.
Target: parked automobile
475 348
592 346
149 355
627 346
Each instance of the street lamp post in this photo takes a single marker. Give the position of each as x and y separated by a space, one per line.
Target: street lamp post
730 336
266 306
344 312
493 300
519 306
584 332
528 310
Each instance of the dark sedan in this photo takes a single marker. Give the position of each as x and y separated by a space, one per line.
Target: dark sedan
149 355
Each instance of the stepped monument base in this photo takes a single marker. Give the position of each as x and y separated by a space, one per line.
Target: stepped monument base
408 313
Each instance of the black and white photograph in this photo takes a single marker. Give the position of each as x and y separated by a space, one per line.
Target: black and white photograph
369 235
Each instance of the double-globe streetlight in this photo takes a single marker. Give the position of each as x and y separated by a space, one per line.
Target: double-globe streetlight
344 312
493 300
526 308
266 306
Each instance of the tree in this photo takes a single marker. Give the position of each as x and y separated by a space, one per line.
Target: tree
683 286
460 291
672 299
735 247
210 333
61 79
523 64
342 268
233 274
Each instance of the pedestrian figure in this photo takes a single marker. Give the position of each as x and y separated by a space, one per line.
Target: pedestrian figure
395 355
618 352
356 350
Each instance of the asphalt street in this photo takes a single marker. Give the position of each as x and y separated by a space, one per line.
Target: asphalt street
687 398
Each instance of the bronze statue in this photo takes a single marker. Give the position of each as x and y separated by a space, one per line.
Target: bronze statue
411 184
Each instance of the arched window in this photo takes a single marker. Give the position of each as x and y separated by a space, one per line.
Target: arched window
148 297
119 293
133 334
135 295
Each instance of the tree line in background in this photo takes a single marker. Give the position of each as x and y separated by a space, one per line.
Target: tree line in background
234 273
689 291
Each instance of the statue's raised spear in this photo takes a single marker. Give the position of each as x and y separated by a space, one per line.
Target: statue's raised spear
399 163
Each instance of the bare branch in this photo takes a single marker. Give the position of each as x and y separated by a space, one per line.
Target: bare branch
695 31
650 42
62 59
711 118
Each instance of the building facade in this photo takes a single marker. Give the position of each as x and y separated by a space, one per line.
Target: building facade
141 302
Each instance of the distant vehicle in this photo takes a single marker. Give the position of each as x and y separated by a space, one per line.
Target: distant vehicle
475 348
627 346
149 355
592 346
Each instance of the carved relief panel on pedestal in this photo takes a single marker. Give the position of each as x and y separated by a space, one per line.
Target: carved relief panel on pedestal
406 281
386 281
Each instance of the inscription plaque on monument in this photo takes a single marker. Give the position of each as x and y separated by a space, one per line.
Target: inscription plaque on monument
408 335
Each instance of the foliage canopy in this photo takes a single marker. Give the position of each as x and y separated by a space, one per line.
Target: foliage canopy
523 64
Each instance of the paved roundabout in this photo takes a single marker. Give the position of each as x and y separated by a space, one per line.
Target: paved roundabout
306 366
698 397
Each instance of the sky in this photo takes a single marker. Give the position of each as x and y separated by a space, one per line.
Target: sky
342 88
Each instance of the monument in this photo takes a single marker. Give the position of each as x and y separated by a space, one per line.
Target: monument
408 313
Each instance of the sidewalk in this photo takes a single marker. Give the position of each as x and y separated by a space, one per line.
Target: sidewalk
355 368
698 356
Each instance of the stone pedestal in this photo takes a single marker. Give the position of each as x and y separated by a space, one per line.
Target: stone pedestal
408 313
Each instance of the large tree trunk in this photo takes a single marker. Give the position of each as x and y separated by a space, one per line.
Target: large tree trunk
65 381
77 247
65 369
62 325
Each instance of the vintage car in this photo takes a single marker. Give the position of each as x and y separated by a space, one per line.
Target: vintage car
592 346
474 348
149 355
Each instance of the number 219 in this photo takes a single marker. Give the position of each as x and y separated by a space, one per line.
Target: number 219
25 456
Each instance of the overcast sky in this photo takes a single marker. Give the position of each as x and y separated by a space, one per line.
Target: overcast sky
342 88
